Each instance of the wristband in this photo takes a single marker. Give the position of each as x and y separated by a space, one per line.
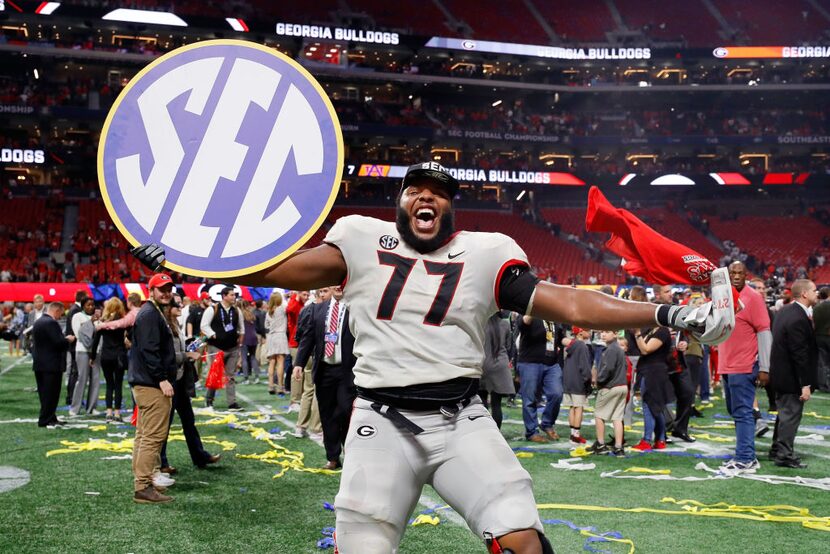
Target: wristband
666 315
661 315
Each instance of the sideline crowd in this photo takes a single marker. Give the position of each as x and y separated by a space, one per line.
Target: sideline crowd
299 345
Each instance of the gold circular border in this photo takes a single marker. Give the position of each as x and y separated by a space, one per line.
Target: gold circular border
314 227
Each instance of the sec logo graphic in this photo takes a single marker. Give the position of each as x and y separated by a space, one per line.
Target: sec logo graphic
226 153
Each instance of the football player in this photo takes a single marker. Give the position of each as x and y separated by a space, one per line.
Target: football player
419 295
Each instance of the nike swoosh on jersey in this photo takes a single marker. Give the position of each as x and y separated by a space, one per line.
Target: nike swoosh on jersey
475 417
453 256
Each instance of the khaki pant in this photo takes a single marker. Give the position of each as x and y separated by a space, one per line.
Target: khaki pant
309 416
296 384
302 392
150 433
231 361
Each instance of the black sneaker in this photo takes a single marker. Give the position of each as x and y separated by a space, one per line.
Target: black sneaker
598 448
234 406
619 452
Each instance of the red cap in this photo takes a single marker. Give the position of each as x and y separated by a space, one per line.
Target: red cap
204 296
576 330
159 280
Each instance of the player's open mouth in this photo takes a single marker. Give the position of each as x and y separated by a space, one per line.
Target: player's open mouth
424 220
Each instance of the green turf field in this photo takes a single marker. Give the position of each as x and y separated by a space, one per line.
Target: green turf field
238 506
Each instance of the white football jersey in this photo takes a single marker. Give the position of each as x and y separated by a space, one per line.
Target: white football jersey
419 318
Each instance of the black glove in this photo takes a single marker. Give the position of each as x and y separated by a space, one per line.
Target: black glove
151 255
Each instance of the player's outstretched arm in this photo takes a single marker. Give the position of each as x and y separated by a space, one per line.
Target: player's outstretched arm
304 270
589 309
317 267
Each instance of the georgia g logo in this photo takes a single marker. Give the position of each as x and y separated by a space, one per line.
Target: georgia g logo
226 153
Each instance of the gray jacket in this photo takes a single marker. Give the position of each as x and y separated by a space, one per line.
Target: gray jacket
612 366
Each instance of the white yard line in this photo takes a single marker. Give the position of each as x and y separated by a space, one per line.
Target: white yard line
268 410
26 358
799 443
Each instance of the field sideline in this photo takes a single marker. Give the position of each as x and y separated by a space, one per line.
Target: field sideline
80 502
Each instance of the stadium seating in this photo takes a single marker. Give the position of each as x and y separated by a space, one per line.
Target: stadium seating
29 230
498 20
766 23
672 20
782 241
102 250
426 20
587 24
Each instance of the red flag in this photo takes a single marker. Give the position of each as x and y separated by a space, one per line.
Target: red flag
216 376
645 252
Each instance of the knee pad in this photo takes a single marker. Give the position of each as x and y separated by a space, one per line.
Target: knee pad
493 546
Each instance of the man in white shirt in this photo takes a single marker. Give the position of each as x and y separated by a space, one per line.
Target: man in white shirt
224 328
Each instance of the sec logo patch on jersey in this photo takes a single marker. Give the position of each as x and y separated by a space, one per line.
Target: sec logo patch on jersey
226 153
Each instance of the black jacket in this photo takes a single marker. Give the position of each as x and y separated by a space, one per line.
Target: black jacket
49 353
794 359
73 309
112 344
311 337
152 356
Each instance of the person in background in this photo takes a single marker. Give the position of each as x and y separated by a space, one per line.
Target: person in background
821 321
151 374
194 322
185 312
308 415
113 358
250 340
48 362
576 380
794 361
613 387
331 343
742 359
15 324
636 294
224 328
540 372
655 345
694 357
296 302
183 388
276 343
84 358
761 428
496 377
71 363
261 332
38 309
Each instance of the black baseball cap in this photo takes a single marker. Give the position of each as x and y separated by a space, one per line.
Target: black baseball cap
434 171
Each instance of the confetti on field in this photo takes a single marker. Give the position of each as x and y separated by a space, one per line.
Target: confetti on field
693 508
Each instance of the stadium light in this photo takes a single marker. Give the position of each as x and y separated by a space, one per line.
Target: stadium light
145 16
237 24
47 8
